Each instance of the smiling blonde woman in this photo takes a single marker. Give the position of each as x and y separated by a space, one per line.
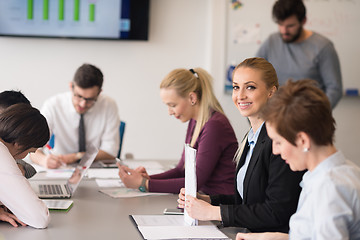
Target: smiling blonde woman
266 190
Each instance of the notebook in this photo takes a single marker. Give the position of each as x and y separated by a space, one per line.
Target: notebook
61 189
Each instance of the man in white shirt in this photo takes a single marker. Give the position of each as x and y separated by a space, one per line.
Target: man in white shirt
65 112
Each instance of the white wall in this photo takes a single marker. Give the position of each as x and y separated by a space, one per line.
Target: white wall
183 33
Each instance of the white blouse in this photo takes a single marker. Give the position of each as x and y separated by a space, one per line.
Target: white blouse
17 195
329 204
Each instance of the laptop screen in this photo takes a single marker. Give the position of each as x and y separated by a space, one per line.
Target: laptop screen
82 167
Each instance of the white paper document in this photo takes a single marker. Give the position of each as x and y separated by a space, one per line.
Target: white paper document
64 172
146 164
174 227
113 173
103 173
127 193
190 179
109 183
181 232
159 220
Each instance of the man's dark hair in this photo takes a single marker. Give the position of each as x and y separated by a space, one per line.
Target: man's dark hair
88 76
11 97
286 8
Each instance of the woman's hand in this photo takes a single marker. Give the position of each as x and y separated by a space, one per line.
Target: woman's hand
52 161
262 236
201 210
10 218
143 172
71 157
130 177
181 200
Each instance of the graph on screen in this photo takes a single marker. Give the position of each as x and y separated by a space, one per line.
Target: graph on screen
110 19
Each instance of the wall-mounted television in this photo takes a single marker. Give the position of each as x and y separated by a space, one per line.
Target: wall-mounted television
85 19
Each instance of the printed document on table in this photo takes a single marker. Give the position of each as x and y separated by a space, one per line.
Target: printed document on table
127 192
190 179
174 227
181 232
103 173
159 220
106 173
106 183
60 172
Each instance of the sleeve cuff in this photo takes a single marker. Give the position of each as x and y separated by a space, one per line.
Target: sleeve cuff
215 200
227 215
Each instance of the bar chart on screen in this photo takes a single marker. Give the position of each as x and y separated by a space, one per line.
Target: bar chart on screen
58 9
70 18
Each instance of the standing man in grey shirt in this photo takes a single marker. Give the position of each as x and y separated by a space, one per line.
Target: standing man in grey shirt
299 53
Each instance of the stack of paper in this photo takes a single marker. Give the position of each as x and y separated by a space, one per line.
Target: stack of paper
127 192
60 172
105 183
174 227
103 173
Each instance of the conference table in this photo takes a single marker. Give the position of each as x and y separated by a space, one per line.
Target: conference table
95 215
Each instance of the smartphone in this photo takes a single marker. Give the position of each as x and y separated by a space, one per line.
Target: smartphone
174 211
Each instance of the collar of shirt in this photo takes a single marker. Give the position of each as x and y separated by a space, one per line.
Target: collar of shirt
335 159
253 137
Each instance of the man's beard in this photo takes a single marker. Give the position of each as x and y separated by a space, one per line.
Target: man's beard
295 37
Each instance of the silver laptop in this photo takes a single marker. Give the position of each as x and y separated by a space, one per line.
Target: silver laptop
61 189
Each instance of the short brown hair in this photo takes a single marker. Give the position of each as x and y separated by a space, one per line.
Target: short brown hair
24 125
88 76
301 106
284 9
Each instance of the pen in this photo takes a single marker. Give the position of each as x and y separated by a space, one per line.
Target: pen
49 152
48 147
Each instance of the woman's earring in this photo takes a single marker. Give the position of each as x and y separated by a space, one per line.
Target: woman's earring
305 150
193 103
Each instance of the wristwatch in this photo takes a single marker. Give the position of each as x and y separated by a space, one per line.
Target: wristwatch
142 187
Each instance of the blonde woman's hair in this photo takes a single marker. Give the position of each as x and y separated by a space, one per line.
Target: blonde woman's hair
199 81
269 77
261 64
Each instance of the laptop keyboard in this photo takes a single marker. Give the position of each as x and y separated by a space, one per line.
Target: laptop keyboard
50 189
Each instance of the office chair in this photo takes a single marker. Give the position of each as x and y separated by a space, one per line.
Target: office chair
121 130
52 141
